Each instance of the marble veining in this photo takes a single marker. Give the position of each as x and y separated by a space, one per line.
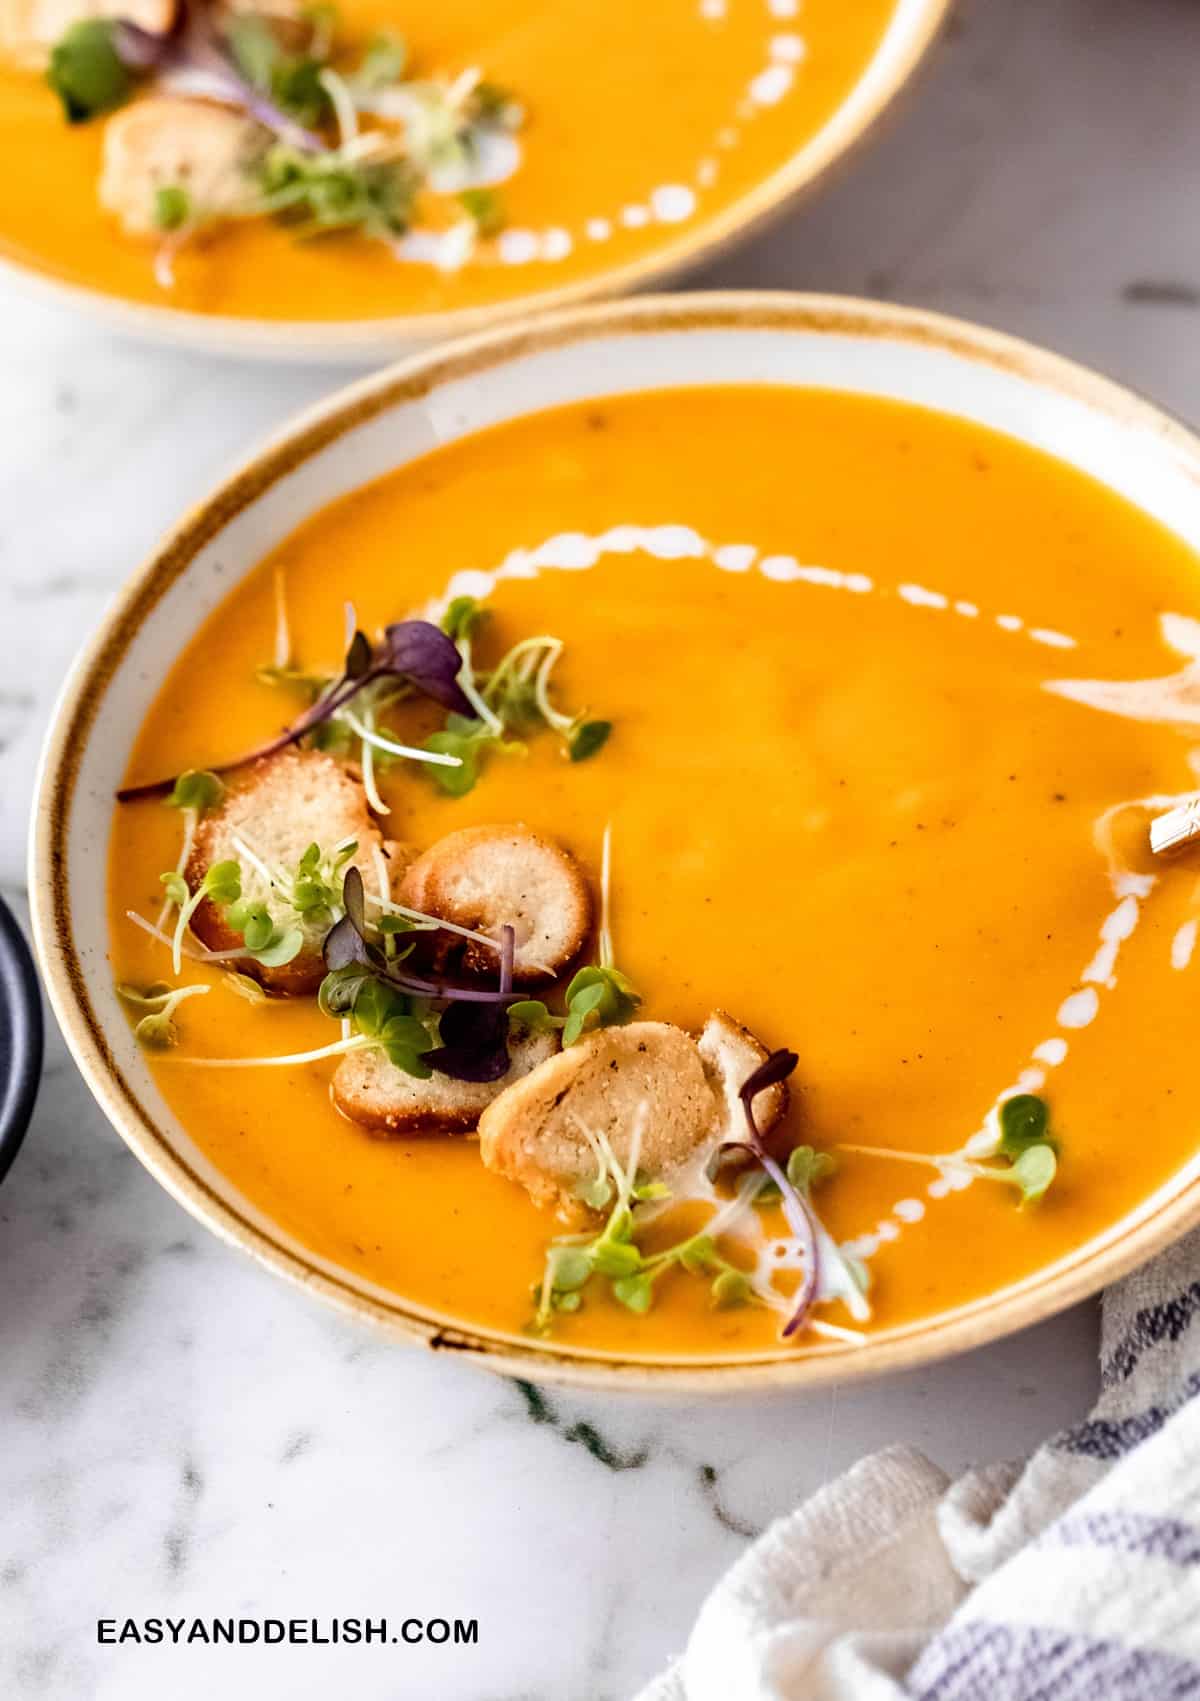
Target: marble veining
183 1434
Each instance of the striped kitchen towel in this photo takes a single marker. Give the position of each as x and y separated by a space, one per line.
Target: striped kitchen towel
1075 1577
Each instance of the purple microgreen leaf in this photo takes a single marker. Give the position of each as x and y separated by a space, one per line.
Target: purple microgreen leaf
475 1036
358 656
474 1042
796 1209
424 654
344 945
354 899
776 1068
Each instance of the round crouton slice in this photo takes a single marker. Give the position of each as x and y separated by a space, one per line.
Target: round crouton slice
486 877
371 1091
30 28
730 1054
265 824
166 143
648 1073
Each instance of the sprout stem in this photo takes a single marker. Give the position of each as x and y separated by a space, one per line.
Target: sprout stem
339 1047
437 758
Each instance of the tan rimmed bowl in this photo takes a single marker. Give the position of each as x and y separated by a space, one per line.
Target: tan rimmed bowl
391 418
913 27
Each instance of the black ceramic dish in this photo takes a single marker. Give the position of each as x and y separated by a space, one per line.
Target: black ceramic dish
20 1037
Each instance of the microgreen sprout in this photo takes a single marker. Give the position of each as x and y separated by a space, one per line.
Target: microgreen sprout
245 987
816 1246
266 941
383 62
485 208
1024 1141
156 1029
172 207
193 793
316 885
222 883
598 998
512 698
613 1253
309 162
414 653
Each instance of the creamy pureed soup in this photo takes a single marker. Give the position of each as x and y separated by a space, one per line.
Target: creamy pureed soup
872 786
637 124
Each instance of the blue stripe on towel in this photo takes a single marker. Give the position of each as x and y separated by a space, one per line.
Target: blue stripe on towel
1004 1662
1110 1438
1151 1326
1130 1532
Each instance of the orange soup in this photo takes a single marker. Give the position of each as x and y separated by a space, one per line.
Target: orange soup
641 124
863 791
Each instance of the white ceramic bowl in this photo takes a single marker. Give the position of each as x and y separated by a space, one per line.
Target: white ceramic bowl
381 423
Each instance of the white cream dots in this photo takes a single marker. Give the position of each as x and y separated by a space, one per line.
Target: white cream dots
666 204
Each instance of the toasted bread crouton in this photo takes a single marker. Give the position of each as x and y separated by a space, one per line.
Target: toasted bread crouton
284 804
374 1093
730 1054
165 143
485 877
648 1073
30 28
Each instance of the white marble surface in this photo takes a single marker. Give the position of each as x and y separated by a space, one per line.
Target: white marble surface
184 1435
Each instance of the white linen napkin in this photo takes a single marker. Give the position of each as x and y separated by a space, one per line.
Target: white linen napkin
1075 1577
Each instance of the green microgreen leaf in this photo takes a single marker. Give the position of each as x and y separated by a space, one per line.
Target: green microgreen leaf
485 207
731 1288
172 206
463 618
1033 1172
156 1030
375 1005
806 1167
596 1193
196 789
281 948
296 86
493 104
175 887
616 1258
254 46
697 1255
568 1268
383 62
598 998
587 739
326 192
636 1293
222 883
1023 1122
531 1016
86 72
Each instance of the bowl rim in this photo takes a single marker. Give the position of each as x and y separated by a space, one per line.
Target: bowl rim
1151 1226
386 338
